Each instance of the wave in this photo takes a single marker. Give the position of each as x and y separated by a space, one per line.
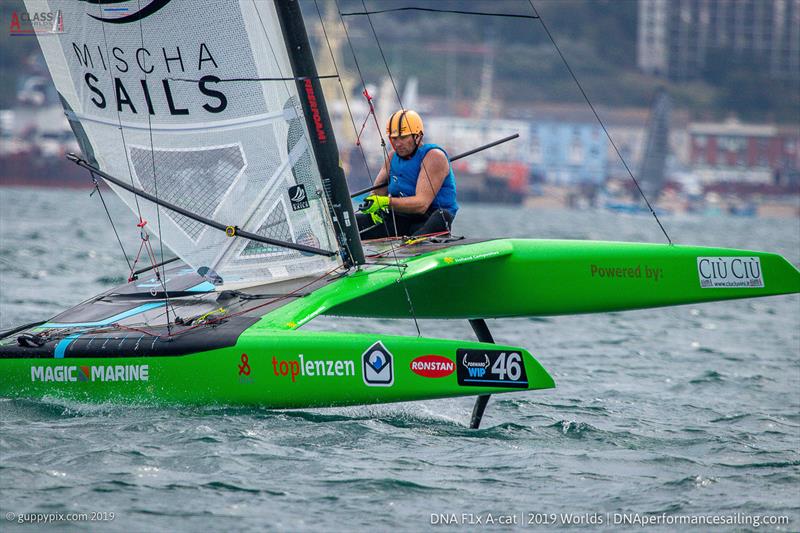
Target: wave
390 485
709 376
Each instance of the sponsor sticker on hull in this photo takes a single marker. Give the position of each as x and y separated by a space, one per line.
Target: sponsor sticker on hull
730 272
89 373
245 370
312 368
491 368
432 366
378 366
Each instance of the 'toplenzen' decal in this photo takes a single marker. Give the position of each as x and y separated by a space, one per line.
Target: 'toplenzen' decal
326 368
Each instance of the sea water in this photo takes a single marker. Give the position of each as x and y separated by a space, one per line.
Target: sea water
663 419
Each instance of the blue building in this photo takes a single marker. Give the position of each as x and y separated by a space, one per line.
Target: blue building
568 153
559 147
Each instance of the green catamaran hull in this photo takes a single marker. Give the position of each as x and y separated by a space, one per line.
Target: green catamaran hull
527 277
272 369
271 362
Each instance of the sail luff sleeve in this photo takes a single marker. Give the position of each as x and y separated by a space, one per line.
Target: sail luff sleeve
320 128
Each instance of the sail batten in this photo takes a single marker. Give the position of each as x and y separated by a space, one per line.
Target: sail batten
235 152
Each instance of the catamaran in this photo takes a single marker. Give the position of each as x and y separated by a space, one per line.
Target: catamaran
208 120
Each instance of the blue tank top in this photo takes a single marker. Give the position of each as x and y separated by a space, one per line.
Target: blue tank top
403 175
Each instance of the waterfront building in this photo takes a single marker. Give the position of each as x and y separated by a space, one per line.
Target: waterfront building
677 39
732 151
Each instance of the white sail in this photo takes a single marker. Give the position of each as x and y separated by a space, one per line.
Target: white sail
234 152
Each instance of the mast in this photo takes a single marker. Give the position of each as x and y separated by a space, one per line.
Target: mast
320 129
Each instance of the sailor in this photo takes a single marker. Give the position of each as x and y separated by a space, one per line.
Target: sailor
418 189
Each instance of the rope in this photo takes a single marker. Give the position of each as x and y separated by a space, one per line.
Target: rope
366 119
211 320
383 56
125 150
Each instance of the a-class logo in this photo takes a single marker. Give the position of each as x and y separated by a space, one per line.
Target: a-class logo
432 366
143 12
26 23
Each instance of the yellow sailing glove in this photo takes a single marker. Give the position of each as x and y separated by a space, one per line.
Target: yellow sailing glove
375 206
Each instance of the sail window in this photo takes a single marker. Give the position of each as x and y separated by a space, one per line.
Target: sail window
196 179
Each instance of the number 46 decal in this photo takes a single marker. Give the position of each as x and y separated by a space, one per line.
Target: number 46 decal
510 364
490 368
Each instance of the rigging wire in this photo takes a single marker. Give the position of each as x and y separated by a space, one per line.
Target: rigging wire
366 95
347 102
385 163
535 15
216 320
386 155
374 118
434 10
108 214
160 276
341 86
602 125
383 56
400 101
328 216
122 133
358 69
119 119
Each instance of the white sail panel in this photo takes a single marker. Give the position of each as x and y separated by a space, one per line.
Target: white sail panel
235 152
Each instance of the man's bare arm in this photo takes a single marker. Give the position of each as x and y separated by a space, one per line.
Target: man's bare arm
435 168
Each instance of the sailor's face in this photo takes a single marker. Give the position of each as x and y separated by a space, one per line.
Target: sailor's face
405 145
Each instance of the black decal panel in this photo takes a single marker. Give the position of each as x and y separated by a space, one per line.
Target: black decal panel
491 368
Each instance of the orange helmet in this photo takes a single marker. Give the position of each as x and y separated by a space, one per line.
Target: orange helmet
404 122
